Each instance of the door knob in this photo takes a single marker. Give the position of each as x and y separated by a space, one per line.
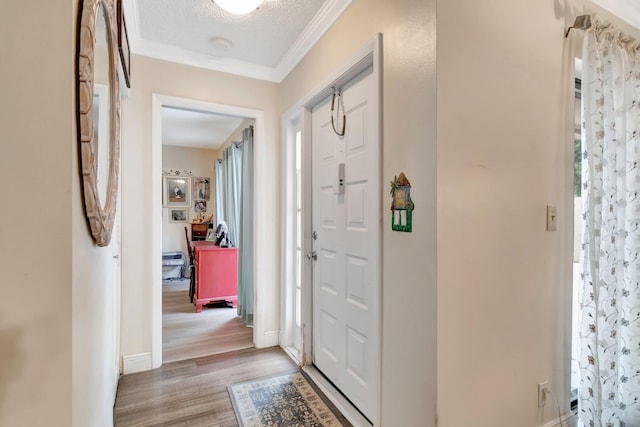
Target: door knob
313 255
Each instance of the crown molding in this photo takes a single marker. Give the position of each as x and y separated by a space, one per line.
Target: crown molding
182 56
627 10
319 25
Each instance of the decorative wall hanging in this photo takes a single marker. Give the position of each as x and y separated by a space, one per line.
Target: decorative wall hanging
96 57
200 206
178 215
176 172
201 188
401 203
123 45
176 191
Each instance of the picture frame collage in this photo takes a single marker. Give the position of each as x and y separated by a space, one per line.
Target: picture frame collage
179 193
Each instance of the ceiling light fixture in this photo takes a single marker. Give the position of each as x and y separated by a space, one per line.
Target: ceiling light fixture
239 7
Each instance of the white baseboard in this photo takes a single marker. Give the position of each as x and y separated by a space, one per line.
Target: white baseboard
568 420
136 363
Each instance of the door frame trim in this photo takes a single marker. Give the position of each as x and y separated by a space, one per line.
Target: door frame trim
261 338
369 56
290 126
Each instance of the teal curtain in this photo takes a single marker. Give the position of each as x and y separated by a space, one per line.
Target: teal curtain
245 245
220 194
234 205
232 160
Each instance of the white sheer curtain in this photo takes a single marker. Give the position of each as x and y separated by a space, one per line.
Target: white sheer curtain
245 262
609 392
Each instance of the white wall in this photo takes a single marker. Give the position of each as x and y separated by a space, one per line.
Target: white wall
200 162
95 304
505 139
36 119
409 259
141 261
45 361
500 150
95 301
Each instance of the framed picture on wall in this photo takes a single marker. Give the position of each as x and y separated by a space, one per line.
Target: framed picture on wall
201 188
176 191
178 215
200 206
123 45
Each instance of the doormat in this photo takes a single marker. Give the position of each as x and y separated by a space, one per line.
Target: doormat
286 401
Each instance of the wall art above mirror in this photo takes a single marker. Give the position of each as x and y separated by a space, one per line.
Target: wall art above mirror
98 111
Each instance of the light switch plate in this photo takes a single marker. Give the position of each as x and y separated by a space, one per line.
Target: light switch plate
552 218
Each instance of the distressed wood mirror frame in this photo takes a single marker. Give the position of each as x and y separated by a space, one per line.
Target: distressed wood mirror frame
100 214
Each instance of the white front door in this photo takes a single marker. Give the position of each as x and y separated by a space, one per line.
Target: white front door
346 274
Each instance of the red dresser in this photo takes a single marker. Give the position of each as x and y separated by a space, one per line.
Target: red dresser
216 274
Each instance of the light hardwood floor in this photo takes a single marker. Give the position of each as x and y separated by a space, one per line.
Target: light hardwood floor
194 392
202 354
187 334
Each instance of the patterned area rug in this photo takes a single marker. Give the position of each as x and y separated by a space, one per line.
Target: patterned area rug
286 401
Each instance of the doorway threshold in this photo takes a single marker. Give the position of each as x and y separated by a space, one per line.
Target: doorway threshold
294 354
341 403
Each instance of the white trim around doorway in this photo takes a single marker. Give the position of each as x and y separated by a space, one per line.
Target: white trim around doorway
261 337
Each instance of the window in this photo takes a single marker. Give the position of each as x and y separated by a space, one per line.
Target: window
577 237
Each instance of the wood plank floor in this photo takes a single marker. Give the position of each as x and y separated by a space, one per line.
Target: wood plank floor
194 392
187 334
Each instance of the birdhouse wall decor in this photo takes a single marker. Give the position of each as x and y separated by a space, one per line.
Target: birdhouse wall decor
401 203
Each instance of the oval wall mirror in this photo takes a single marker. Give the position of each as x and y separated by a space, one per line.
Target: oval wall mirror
98 106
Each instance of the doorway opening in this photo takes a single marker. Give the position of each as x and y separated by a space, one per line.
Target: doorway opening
180 222
203 320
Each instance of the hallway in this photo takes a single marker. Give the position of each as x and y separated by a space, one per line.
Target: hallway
194 392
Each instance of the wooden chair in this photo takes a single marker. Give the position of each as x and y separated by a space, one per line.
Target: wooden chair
192 267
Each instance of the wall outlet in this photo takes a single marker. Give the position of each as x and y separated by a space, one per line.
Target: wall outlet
542 393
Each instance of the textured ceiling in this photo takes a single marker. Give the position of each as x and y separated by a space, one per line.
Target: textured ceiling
261 37
266 44
196 129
